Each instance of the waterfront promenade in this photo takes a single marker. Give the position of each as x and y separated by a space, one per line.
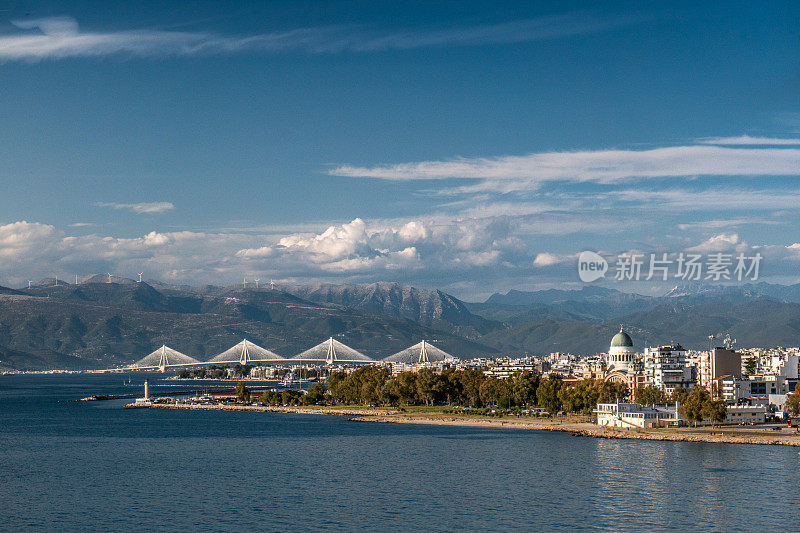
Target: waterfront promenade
719 434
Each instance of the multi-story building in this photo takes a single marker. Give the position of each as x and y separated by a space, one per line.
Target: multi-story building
665 367
717 363
735 390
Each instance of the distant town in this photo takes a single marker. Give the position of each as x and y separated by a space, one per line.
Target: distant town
663 386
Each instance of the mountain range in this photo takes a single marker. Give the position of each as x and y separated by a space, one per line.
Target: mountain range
104 321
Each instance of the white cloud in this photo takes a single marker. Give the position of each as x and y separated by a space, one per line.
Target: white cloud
545 259
523 173
726 223
25 241
746 140
685 199
59 37
437 246
141 208
720 243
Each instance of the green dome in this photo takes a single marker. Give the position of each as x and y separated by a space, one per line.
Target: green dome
622 339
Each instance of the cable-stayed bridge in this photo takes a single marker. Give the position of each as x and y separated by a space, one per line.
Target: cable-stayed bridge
422 352
246 352
332 351
328 352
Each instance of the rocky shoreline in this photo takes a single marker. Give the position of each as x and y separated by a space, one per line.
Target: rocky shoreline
582 429
578 429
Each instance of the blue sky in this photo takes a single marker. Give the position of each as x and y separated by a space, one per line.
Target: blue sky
469 146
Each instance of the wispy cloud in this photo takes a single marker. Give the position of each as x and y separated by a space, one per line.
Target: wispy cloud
684 199
141 208
60 37
521 173
729 223
746 140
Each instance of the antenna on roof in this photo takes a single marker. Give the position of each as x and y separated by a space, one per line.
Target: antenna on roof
140 276
728 343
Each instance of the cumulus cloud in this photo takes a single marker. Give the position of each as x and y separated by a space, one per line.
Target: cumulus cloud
60 37
141 208
720 243
434 250
546 259
436 246
25 241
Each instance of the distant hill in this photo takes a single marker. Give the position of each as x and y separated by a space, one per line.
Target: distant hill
40 360
590 302
428 307
111 323
6 290
98 324
756 322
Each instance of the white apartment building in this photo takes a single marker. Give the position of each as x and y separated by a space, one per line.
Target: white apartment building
666 368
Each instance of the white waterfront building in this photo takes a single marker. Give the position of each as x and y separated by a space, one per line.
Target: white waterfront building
634 415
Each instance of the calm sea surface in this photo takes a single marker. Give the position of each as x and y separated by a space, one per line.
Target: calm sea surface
91 466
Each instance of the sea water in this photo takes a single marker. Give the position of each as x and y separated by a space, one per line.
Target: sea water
95 466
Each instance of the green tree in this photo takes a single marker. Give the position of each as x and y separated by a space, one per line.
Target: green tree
547 393
315 394
271 397
401 389
523 388
471 380
242 392
750 366
291 397
695 407
430 386
650 395
793 402
489 391
716 410
612 392
679 394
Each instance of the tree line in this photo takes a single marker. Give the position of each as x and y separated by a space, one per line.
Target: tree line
464 388
472 388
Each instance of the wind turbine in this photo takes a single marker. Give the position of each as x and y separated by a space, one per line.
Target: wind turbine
76 279
272 284
257 280
29 283
140 276
244 282
56 283
109 277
